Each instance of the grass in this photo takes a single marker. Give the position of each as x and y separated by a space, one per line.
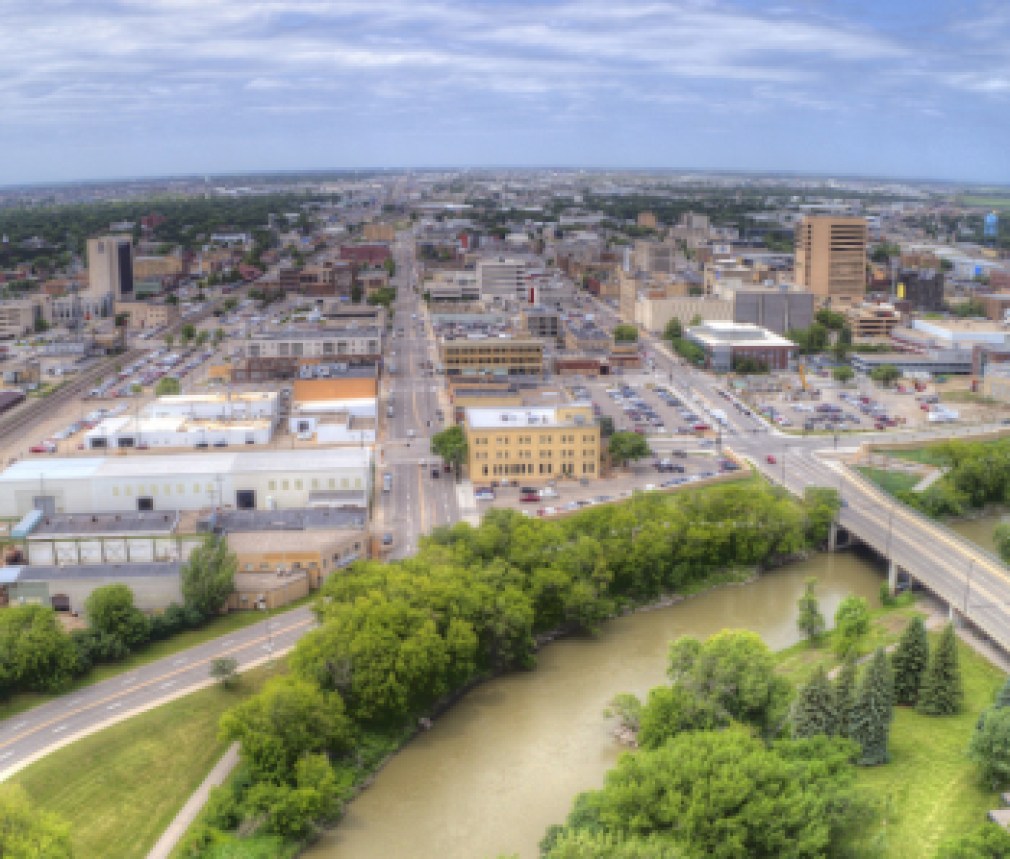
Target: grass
929 791
987 202
932 454
967 397
890 481
120 788
215 628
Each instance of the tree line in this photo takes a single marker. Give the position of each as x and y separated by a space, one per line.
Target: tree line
396 641
38 655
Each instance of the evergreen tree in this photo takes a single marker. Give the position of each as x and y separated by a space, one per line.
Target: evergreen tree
909 662
815 710
871 717
1003 696
810 620
941 693
845 695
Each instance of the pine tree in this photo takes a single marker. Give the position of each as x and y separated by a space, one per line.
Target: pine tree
1003 696
941 693
909 662
810 620
845 695
871 716
815 710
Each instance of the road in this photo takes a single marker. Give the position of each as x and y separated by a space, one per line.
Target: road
417 502
49 726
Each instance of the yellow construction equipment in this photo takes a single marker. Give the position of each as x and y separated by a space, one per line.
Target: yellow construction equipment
802 368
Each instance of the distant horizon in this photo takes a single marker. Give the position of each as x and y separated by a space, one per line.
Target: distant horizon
201 175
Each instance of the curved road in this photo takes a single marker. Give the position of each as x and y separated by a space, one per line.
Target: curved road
43 729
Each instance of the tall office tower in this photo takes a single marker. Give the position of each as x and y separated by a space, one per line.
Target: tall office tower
831 259
110 267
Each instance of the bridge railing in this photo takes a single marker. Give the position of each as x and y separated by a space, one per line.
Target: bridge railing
965 544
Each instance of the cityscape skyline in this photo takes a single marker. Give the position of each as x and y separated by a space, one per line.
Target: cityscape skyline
102 89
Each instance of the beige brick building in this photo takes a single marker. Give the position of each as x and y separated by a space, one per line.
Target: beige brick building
830 259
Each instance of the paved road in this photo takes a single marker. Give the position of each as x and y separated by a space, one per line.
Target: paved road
45 728
417 502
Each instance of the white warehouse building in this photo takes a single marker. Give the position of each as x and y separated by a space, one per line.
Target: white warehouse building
188 481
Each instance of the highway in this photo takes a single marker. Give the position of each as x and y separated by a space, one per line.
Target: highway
43 729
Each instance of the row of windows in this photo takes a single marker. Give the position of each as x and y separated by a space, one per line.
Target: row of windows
505 440
528 468
210 488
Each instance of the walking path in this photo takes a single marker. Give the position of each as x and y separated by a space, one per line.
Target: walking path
188 813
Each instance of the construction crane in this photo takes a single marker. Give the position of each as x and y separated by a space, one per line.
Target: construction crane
802 368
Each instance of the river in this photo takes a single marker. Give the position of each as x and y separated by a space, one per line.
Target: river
508 759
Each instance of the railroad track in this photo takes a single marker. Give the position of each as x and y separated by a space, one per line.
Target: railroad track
21 419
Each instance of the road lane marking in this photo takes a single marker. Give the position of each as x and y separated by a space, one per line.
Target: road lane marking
19 726
114 705
181 661
59 728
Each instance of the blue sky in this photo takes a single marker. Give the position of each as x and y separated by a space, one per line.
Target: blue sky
108 88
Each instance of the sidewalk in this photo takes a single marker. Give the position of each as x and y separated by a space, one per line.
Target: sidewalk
188 813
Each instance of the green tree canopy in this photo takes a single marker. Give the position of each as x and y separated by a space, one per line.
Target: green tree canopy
724 795
110 610
941 693
627 446
990 748
810 619
37 654
987 841
451 445
909 662
815 710
885 374
673 330
29 832
208 576
843 374
870 721
167 386
625 333
852 622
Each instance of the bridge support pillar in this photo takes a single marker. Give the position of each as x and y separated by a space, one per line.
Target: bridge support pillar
833 537
954 616
892 577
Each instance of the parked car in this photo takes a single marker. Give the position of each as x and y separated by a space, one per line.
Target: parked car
770 459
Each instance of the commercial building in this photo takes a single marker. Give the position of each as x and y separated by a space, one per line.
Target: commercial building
654 314
727 343
873 320
147 314
830 258
506 356
532 445
544 323
313 341
22 316
777 309
919 289
188 481
453 286
379 233
110 267
501 277
334 411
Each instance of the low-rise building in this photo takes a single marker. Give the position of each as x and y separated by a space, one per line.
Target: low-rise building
532 445
448 285
147 314
873 320
22 316
728 343
506 356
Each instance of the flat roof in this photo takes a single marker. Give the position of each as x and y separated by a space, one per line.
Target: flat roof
737 334
204 462
115 572
134 522
543 416
304 519
234 396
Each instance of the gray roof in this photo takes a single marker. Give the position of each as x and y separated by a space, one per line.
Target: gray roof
113 572
305 519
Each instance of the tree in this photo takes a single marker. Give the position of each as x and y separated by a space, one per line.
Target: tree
27 831
735 671
111 611
830 319
625 333
815 710
451 445
671 710
870 724
909 662
987 841
208 576
1001 539
37 654
885 374
674 330
288 719
1003 696
169 340
810 621
941 693
725 794
167 386
843 374
852 622
627 446
990 748
845 694
225 670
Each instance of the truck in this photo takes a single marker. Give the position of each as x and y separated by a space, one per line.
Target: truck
387 482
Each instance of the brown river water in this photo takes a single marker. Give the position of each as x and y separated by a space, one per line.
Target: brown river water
508 759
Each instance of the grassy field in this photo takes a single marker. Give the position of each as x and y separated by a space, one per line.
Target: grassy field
928 791
219 626
931 454
987 202
890 481
120 788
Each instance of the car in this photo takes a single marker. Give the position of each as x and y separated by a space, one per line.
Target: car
770 459
484 493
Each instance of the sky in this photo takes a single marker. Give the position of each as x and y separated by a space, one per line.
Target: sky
94 89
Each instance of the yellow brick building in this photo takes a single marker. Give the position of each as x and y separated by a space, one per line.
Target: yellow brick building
495 355
532 445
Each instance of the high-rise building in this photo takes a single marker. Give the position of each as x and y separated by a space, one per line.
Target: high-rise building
110 267
830 258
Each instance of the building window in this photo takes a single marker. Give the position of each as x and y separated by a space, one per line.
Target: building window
284 484
180 488
272 485
298 484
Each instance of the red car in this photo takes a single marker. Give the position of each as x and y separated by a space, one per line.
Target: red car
770 459
702 427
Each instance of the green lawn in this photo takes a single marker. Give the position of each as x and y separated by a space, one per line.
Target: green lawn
931 454
929 789
890 481
216 628
120 788
986 202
